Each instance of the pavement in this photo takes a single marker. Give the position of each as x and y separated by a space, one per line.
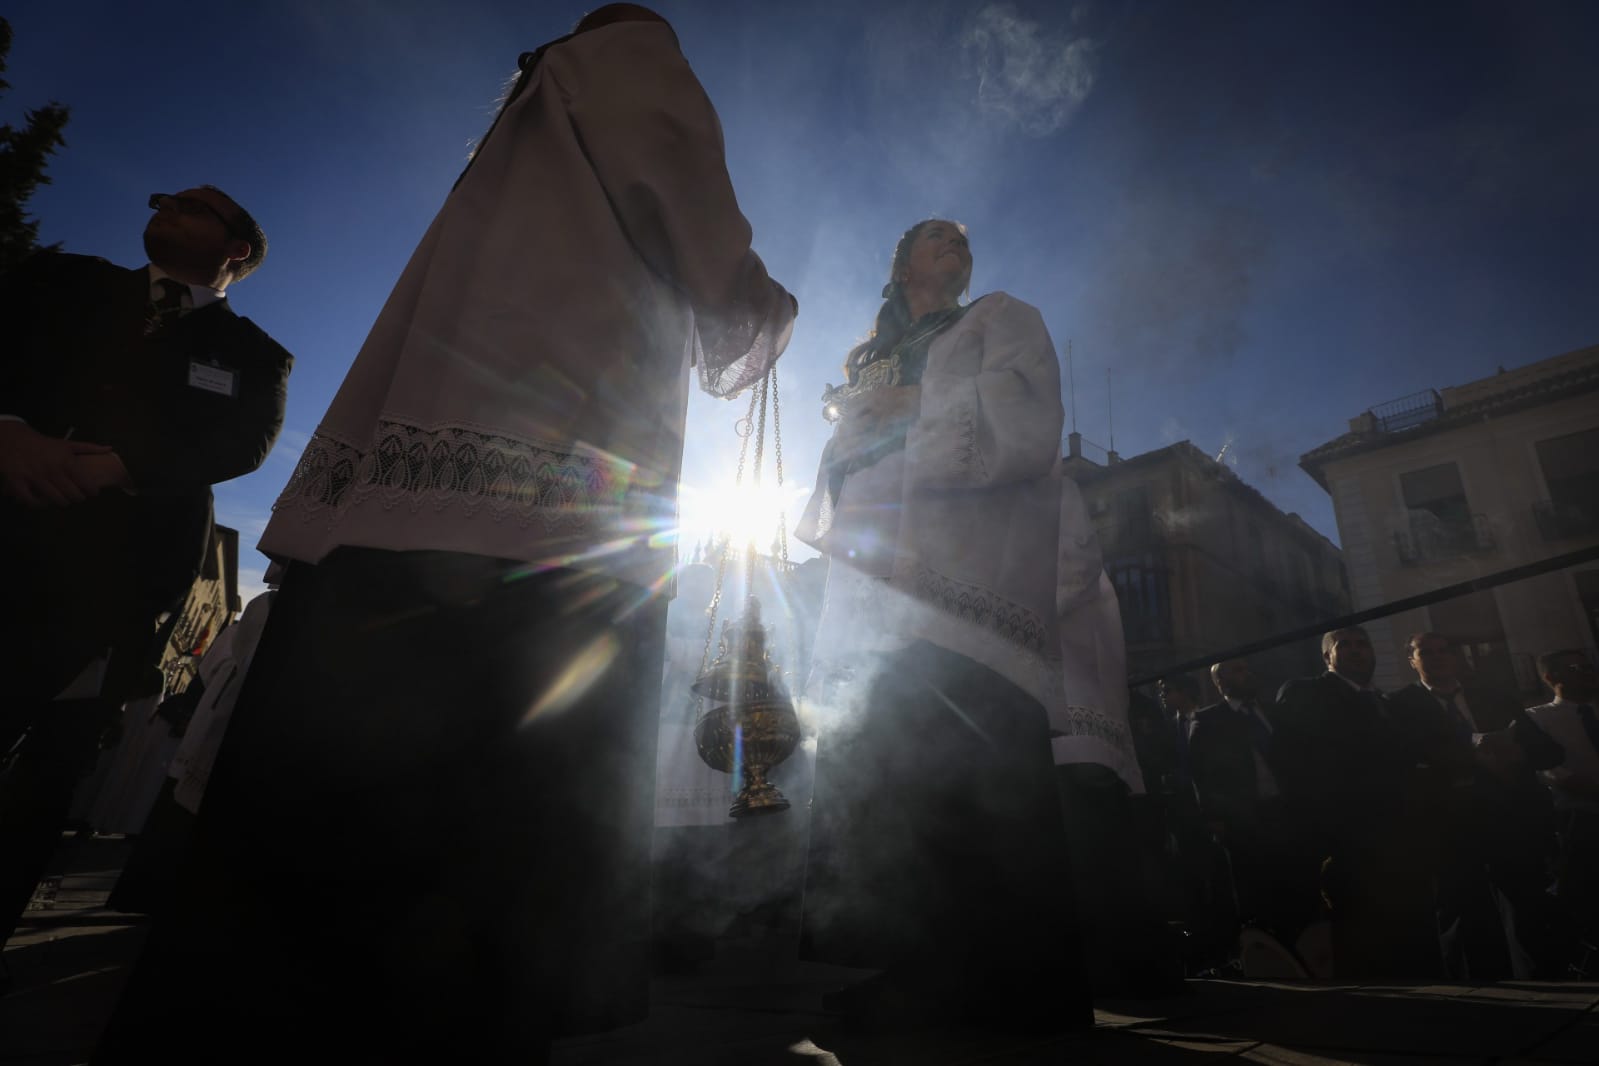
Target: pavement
754 1004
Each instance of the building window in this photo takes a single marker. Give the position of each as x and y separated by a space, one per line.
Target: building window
1571 470
1144 593
1437 491
1588 594
1134 523
1439 523
1473 622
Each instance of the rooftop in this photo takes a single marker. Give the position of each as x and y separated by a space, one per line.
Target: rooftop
1429 412
1086 472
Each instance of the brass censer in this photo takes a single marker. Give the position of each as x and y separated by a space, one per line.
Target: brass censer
750 724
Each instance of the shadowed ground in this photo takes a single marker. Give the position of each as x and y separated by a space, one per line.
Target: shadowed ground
753 1005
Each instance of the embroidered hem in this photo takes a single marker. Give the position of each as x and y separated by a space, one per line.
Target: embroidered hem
454 466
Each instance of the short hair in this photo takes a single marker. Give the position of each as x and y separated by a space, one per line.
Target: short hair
1329 638
1547 661
246 228
1183 683
1415 640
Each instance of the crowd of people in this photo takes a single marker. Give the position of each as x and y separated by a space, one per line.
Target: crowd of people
1442 830
450 710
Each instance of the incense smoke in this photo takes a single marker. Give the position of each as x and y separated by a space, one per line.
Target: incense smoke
1032 79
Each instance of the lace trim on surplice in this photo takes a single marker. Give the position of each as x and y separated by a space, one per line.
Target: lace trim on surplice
985 609
530 482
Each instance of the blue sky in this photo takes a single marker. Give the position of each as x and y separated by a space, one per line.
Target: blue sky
1259 218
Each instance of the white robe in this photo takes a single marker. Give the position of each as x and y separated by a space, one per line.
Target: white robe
522 394
966 522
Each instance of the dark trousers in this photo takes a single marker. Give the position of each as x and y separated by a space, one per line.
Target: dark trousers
1577 886
426 837
36 787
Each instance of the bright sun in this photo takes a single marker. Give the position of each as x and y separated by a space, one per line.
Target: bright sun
747 515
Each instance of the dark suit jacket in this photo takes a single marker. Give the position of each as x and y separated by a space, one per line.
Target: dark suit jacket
1345 764
76 362
1437 730
1222 750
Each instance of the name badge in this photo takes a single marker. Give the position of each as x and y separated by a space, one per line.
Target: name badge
212 378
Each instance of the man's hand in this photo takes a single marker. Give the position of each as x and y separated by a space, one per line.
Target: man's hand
40 471
97 471
1499 754
873 418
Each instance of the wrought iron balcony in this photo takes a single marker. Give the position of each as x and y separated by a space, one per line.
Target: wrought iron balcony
1566 519
1407 412
1429 539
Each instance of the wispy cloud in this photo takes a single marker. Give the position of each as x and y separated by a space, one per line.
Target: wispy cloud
1032 78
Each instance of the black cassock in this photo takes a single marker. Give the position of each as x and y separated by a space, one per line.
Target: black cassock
938 847
426 837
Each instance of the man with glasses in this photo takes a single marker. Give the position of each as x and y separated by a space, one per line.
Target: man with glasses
125 394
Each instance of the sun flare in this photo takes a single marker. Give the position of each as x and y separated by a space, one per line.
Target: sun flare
744 514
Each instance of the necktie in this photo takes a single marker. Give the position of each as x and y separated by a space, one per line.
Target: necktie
1457 720
163 310
1590 725
1184 770
1259 731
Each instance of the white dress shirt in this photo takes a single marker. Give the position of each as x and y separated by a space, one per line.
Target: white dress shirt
199 295
1563 724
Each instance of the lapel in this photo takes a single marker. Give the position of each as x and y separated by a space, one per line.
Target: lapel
131 303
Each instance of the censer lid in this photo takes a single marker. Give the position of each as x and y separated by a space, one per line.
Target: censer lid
743 669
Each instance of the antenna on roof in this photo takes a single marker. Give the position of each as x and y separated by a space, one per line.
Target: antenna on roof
1110 404
1071 384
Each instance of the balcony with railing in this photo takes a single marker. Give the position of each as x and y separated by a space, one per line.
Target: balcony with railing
1407 412
1567 519
1430 538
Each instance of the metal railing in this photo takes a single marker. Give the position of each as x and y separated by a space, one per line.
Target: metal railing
1409 603
1566 519
1430 538
1408 411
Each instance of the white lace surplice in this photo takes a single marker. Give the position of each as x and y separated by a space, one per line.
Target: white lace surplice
522 394
967 524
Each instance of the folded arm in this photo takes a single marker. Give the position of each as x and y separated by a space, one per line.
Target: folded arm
999 424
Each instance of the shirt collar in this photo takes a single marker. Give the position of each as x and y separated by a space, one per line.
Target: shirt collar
199 295
1443 693
1351 684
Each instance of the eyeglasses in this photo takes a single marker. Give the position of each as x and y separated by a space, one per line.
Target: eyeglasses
189 205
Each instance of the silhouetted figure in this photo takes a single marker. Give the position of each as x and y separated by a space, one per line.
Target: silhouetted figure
1571 719
426 836
1493 815
1236 773
1201 874
125 394
938 852
1350 774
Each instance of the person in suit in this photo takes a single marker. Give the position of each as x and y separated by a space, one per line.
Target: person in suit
1571 719
1199 870
1236 776
1348 773
125 394
1493 815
